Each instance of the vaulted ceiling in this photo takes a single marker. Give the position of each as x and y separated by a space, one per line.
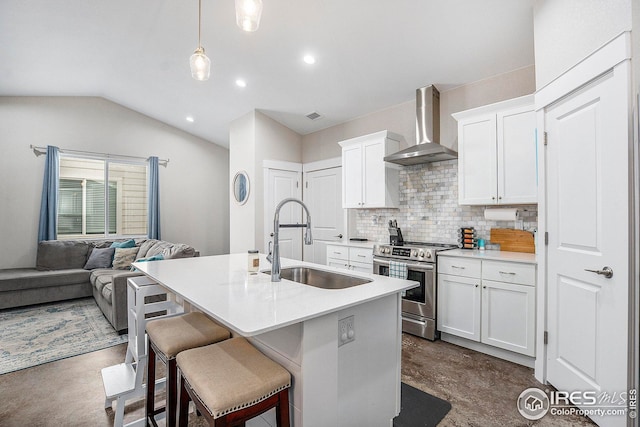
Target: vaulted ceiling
370 55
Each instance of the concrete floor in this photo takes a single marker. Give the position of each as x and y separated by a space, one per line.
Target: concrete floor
482 389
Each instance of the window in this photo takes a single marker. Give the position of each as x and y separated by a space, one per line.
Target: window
98 195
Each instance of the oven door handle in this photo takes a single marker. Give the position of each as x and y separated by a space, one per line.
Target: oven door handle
421 266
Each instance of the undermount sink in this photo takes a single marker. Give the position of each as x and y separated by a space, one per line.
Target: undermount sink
319 278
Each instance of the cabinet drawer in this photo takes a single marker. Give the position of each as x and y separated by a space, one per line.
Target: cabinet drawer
338 252
509 272
361 255
459 266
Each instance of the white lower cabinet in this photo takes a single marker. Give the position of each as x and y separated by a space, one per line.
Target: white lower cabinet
472 304
354 258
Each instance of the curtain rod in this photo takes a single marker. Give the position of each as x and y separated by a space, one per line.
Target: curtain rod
39 151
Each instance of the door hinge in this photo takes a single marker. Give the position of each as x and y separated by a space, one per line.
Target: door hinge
546 237
546 138
546 337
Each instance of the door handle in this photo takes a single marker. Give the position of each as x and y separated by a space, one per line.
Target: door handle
607 272
339 236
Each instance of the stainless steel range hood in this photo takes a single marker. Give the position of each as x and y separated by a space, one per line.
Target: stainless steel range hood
427 148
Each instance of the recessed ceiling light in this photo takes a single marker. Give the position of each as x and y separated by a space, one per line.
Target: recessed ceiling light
241 83
309 59
190 119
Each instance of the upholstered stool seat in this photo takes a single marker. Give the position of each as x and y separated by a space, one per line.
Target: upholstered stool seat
167 338
232 382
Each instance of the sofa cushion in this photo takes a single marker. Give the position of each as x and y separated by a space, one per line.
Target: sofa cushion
102 280
123 258
171 250
100 258
61 254
145 246
15 279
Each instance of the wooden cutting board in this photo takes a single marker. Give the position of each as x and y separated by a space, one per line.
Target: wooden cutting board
513 240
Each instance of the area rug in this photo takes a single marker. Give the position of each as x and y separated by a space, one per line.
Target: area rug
420 409
31 336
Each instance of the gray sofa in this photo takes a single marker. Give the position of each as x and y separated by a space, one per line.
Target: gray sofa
62 272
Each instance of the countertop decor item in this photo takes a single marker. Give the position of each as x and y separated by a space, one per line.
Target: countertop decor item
513 240
467 238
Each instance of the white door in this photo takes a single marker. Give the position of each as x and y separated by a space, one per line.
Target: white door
323 197
374 184
352 176
508 316
459 302
588 225
477 162
282 184
516 151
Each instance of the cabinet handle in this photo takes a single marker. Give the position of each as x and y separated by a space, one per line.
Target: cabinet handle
507 272
493 197
500 198
362 256
337 253
477 286
484 287
455 266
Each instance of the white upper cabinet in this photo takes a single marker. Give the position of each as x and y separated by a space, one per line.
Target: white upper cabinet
497 153
367 180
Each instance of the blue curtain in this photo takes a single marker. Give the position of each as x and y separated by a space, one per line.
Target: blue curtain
154 199
47 230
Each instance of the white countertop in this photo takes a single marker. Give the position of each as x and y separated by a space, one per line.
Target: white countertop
491 255
250 304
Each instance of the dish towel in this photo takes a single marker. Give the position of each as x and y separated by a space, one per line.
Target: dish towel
398 270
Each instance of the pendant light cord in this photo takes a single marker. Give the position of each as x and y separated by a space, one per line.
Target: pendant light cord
199 21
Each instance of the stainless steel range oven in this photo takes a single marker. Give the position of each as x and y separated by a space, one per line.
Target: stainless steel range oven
419 303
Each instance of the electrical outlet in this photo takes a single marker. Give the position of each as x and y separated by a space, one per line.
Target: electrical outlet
346 330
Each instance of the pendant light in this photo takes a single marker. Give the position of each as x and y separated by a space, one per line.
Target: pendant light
200 64
248 14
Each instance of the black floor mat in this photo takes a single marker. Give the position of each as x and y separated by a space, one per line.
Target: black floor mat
419 409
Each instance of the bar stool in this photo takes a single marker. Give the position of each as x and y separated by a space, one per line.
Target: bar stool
230 383
168 337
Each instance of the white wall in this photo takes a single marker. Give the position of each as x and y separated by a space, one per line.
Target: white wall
193 187
401 118
254 138
565 31
242 223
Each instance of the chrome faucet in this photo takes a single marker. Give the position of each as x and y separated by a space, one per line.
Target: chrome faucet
274 257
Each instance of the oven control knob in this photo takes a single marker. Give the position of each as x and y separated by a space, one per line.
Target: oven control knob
428 254
385 250
421 254
414 253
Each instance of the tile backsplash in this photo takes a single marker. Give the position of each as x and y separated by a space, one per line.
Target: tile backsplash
429 210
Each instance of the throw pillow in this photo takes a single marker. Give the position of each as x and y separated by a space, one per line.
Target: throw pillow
158 257
124 257
126 244
100 258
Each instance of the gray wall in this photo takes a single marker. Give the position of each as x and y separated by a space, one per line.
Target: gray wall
401 118
566 31
193 187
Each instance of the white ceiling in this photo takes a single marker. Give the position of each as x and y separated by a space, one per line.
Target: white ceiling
371 54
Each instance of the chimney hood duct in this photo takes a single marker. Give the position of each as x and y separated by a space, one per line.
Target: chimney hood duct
427 148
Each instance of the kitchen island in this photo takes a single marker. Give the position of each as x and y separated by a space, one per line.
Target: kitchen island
336 381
